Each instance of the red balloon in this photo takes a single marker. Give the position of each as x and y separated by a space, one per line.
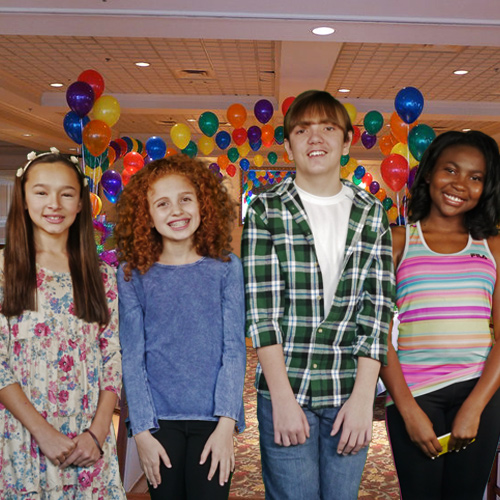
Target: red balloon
356 135
395 170
231 170
267 135
239 136
133 161
123 146
94 79
286 104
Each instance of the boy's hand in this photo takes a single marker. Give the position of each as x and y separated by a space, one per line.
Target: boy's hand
290 422
150 452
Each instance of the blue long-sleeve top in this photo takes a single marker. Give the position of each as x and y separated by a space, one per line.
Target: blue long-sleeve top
182 334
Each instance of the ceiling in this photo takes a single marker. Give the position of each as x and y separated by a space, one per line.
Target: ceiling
245 52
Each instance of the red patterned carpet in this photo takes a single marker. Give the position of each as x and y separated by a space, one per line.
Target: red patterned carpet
379 479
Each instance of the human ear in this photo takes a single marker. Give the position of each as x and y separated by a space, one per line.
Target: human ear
288 149
347 143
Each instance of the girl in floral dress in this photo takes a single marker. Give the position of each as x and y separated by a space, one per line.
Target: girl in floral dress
59 350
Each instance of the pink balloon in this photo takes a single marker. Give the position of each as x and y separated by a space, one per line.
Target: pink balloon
394 169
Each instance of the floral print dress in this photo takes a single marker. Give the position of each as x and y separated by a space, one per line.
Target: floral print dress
62 363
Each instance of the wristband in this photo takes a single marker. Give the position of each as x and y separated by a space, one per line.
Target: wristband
93 436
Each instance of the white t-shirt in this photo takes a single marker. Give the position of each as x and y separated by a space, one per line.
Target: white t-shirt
329 218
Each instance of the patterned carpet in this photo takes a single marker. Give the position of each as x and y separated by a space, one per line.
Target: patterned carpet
379 479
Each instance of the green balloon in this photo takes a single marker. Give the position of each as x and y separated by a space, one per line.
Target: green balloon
191 149
373 122
344 160
279 134
387 203
356 180
419 139
233 154
272 157
209 123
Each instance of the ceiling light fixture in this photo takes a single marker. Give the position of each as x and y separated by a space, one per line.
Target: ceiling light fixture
56 84
27 135
142 64
460 72
323 30
344 90
466 130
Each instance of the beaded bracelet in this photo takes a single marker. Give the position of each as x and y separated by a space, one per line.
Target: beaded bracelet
93 436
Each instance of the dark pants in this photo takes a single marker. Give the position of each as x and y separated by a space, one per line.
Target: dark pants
184 441
452 476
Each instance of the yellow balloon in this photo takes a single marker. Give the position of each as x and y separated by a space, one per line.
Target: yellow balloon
94 174
106 109
206 144
351 111
392 213
351 165
181 135
344 172
258 160
244 149
402 149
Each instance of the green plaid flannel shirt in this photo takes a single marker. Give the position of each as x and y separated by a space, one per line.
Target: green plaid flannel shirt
284 293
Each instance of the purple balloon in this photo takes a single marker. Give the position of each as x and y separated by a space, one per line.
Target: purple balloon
254 134
256 145
374 187
147 159
117 148
80 98
263 110
411 176
111 182
214 168
368 140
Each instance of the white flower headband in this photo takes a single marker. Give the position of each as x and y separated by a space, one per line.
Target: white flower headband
53 151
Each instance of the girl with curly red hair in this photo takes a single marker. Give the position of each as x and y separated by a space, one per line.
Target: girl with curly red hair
181 305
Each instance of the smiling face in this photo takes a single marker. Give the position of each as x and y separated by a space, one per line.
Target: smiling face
456 181
174 210
52 199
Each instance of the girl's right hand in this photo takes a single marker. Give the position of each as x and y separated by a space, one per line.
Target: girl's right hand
150 452
421 432
54 445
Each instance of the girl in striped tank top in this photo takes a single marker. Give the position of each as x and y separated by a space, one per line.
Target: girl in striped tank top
445 376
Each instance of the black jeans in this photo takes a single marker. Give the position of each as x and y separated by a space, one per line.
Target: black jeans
184 441
453 476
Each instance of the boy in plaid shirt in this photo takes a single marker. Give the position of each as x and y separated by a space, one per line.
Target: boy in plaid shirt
318 266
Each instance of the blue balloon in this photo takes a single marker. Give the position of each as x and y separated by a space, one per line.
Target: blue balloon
409 103
73 126
156 147
359 172
244 164
256 145
223 139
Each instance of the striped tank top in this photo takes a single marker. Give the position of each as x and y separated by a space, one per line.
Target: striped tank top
444 303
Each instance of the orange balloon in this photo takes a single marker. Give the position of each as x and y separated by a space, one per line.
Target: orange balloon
96 203
126 175
385 143
170 152
400 129
381 194
236 115
223 161
96 136
133 161
267 135
111 155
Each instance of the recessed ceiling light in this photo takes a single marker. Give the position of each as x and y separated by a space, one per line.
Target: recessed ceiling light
73 149
28 135
191 119
344 90
142 64
56 84
323 30
466 130
460 72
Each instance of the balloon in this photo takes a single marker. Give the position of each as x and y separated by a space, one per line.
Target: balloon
191 150
286 104
117 148
263 110
94 79
373 122
239 136
80 98
244 149
400 221
272 157
351 165
213 167
223 161
208 123
140 146
344 160
156 147
381 194
111 198
351 111
111 182
267 135
236 115
419 139
107 109
368 140
96 204
374 187
402 149
279 134
96 136
409 103
344 172
232 154
258 160
125 178
129 142
356 135
387 203
359 172
133 161
170 152
399 128
394 170
254 134
181 135
367 178
392 213
411 176
73 126
256 145
147 159
94 174
231 170
223 139
244 164
356 180
111 155
385 143
206 145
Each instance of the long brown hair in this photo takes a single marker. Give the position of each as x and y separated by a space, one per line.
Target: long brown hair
140 244
20 281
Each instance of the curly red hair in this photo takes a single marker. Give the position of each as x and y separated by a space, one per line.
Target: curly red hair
140 244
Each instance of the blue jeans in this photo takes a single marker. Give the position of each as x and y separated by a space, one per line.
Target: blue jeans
309 471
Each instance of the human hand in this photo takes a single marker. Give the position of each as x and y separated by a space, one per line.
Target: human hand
355 417
290 423
421 432
464 428
85 453
55 445
150 453
220 445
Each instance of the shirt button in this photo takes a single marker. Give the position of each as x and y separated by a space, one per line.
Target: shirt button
315 365
320 330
